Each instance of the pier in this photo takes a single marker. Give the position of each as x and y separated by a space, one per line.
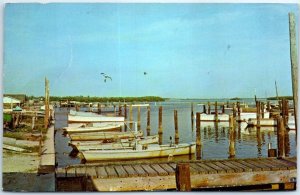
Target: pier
204 174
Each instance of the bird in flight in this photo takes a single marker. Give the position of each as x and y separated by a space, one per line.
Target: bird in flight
106 77
145 73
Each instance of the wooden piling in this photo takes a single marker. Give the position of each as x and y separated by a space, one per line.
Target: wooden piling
148 121
115 110
139 118
46 118
239 111
268 106
294 64
262 107
99 108
271 152
176 127
258 113
183 179
216 112
160 129
125 116
198 136
204 108
130 117
231 137
208 109
192 114
280 137
223 109
120 109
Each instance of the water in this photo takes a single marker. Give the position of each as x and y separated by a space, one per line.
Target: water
215 142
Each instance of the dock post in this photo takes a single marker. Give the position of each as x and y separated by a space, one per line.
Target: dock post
183 178
231 137
208 107
258 113
239 111
99 108
223 109
46 118
176 127
115 110
216 112
125 117
204 108
234 112
139 117
285 111
192 114
294 65
198 136
280 137
130 117
268 106
148 121
271 152
262 110
160 130
120 109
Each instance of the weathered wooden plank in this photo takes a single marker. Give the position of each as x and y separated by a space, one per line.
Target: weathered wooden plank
256 163
270 164
121 171
253 167
244 167
130 170
71 172
207 168
225 167
288 164
173 165
159 170
80 171
292 159
140 170
61 172
233 166
111 172
149 170
101 172
214 166
168 168
198 169
91 171
281 166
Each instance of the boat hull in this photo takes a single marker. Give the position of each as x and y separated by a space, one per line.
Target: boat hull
104 135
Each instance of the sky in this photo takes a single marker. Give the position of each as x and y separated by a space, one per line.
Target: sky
186 50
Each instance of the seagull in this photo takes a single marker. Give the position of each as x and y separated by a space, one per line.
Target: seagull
145 73
106 77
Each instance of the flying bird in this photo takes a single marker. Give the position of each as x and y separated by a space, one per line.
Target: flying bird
106 77
145 73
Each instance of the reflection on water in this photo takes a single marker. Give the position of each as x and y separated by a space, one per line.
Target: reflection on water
249 142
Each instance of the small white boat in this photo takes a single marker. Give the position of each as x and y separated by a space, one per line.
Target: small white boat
212 117
263 122
140 105
87 129
94 119
104 135
150 151
245 116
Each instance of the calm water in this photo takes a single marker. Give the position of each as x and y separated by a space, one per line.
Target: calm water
214 137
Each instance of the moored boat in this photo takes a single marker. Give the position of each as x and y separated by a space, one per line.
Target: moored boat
87 129
150 151
212 117
263 122
94 119
104 135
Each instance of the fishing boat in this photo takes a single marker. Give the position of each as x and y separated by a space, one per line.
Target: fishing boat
104 135
100 145
141 152
87 129
94 119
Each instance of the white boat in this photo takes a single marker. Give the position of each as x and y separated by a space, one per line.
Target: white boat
140 105
104 135
94 119
212 117
151 151
245 116
87 129
263 122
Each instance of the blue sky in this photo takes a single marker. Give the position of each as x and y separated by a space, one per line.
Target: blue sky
187 50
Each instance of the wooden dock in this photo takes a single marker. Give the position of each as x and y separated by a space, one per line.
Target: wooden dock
204 174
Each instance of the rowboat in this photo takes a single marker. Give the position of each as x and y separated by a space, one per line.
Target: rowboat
142 152
93 119
104 135
122 144
212 117
87 129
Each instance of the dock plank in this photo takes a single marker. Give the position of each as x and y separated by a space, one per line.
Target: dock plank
91 171
198 169
214 166
244 167
111 172
207 168
159 170
168 168
173 165
224 166
71 172
269 164
61 172
101 172
289 165
121 171
149 170
280 165
291 159
256 163
252 166
140 170
130 170
80 171
236 168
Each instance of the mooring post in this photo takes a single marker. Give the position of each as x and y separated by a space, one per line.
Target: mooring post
183 178
204 108
262 110
115 110
130 117
280 137
239 111
294 65
257 113
208 105
223 109
139 117
125 117
198 136
234 112
231 137
268 106
192 114
46 118
148 121
271 152
216 112
160 129
176 127
99 108
120 109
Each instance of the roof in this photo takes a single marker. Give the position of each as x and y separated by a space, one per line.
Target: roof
10 100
